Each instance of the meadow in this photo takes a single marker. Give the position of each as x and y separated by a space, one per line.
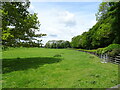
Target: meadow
55 68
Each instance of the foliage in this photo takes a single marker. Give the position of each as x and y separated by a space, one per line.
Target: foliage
81 41
112 46
100 51
29 44
104 32
112 49
18 24
37 68
114 52
57 55
74 42
57 44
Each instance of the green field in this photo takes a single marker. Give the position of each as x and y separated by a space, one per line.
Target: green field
55 68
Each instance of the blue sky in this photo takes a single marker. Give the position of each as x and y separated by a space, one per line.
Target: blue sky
64 20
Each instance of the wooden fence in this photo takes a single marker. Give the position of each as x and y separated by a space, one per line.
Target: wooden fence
105 58
115 59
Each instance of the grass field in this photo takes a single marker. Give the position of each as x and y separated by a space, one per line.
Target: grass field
55 68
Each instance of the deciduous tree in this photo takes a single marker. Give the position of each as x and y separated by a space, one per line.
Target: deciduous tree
18 24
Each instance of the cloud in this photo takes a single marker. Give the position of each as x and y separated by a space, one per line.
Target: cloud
67 18
62 24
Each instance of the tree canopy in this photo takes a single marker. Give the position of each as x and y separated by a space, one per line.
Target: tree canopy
18 24
105 31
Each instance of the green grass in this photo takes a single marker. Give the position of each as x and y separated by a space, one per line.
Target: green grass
56 68
93 50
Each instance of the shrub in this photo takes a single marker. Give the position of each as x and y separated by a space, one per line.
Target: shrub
112 49
114 52
57 55
100 51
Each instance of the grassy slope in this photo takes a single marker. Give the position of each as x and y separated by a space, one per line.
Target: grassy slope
38 68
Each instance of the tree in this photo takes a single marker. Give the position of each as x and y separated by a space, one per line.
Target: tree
105 31
75 41
116 23
110 11
57 44
18 24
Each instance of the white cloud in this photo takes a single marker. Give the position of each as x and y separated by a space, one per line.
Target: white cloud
67 18
61 24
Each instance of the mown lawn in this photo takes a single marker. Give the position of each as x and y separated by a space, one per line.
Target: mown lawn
55 68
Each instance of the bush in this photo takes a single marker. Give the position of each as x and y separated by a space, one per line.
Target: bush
112 49
100 51
57 55
114 52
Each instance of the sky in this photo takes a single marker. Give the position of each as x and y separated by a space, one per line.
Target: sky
64 20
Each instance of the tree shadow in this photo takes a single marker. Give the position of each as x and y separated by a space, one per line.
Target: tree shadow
10 65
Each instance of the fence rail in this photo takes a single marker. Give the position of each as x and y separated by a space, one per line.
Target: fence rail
105 58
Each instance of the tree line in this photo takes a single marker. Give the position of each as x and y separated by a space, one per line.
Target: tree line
57 44
105 32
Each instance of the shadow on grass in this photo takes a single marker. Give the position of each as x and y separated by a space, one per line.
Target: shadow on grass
9 65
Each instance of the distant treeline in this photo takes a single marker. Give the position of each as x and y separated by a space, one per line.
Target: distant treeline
105 32
57 44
